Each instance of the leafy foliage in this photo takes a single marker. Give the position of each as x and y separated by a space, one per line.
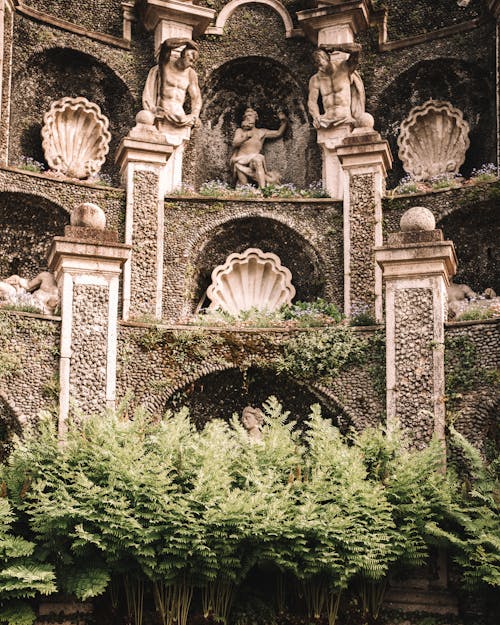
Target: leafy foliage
156 506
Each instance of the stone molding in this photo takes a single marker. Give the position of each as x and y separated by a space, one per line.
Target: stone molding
231 7
494 7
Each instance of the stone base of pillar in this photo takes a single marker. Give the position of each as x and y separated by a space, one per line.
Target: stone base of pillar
333 177
177 139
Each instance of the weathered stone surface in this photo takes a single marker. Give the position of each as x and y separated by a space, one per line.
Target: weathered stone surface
416 219
88 215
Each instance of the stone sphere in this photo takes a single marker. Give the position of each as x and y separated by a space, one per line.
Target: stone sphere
88 215
417 219
145 117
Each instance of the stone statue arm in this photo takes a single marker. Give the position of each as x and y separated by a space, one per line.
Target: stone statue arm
151 88
240 136
195 95
312 101
276 134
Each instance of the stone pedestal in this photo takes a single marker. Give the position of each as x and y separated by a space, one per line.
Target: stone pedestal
335 23
177 138
174 18
142 158
365 158
87 264
333 178
416 268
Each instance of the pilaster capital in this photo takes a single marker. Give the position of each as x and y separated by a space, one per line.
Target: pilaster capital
136 150
195 17
336 21
365 151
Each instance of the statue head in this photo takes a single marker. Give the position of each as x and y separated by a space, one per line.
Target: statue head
178 43
321 59
252 419
250 117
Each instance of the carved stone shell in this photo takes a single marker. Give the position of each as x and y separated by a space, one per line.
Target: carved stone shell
253 279
75 137
433 140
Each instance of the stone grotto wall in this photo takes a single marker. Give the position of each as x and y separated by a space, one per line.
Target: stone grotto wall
200 234
50 63
218 371
29 364
253 64
472 358
467 216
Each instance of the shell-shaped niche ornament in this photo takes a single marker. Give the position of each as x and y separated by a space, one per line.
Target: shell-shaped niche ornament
433 140
252 279
75 137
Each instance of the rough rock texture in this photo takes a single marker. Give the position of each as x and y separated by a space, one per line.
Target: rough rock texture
29 363
254 65
144 240
219 371
89 347
469 217
41 191
362 214
200 234
472 356
414 363
5 92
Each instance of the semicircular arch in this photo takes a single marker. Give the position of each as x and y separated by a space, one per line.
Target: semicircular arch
231 7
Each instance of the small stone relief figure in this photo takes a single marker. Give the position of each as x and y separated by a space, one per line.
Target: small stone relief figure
169 81
340 87
252 420
41 292
246 159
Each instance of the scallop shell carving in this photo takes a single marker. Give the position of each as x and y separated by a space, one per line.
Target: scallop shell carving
75 137
433 140
252 279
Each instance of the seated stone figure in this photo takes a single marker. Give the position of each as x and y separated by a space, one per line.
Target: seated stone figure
246 159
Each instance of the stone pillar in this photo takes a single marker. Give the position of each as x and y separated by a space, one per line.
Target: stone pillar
417 265
174 18
6 35
87 263
142 157
365 158
337 24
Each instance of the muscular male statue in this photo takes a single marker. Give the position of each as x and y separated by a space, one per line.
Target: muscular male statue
167 83
340 87
246 159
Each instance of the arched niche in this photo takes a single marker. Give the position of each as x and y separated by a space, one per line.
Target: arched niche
269 87
28 224
475 232
231 7
466 87
219 394
269 235
53 74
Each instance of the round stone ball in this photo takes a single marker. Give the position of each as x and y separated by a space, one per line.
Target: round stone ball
417 219
145 117
88 215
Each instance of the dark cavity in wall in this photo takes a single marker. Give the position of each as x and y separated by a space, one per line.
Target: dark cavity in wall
27 225
466 86
268 87
218 395
269 235
56 73
475 231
